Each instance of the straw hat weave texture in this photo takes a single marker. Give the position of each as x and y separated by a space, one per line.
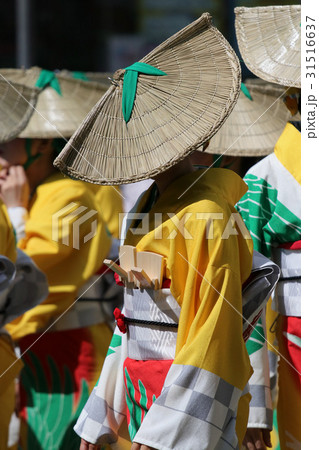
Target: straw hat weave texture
99 77
172 116
255 124
269 40
17 103
56 115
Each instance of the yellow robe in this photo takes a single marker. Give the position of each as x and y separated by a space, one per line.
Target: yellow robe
7 355
66 267
206 274
110 205
7 241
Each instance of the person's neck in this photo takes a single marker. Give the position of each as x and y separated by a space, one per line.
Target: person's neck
164 179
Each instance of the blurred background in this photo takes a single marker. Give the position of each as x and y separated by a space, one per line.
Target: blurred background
102 35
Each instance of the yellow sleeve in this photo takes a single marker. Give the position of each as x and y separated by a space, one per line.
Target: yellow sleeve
110 205
7 239
51 240
207 272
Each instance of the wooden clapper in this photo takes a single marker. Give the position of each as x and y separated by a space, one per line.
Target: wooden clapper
138 269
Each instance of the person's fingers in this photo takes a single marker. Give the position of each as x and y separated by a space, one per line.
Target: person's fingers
94 447
84 445
267 438
3 174
136 446
259 444
254 439
249 440
249 445
14 174
20 174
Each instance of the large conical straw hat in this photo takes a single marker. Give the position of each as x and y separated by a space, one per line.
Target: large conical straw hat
173 113
269 40
256 122
61 108
17 103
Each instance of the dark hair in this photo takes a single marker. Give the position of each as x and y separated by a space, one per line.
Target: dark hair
58 144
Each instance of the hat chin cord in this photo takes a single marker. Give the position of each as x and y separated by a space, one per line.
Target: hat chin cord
30 158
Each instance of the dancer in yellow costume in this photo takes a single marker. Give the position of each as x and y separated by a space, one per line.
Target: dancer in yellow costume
271 208
19 289
177 367
57 225
22 287
8 357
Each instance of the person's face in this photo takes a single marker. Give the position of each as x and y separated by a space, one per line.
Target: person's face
12 153
201 158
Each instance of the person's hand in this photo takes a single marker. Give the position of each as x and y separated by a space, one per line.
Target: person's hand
137 446
14 187
88 446
257 439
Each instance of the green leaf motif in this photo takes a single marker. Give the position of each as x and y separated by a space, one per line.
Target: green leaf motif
50 413
143 400
130 394
130 85
137 409
257 339
115 342
267 219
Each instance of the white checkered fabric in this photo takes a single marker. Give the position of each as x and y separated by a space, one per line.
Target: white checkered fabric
105 409
202 407
260 407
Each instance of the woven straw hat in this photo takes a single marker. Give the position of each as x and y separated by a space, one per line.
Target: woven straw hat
61 108
256 122
194 90
269 40
99 77
17 103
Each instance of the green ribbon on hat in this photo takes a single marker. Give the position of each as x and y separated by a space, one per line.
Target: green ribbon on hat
130 85
245 91
48 78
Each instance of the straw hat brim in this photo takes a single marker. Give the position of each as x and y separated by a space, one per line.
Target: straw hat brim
17 103
173 115
254 126
98 77
269 40
57 116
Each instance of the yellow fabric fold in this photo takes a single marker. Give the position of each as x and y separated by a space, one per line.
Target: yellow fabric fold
288 150
7 354
7 240
110 205
206 271
66 267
